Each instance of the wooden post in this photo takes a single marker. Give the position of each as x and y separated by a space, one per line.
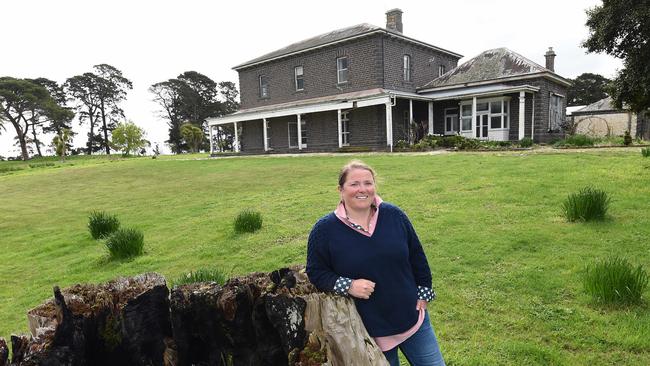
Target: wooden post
299 131
522 114
430 118
266 137
235 147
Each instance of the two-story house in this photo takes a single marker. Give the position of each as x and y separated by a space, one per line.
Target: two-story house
366 87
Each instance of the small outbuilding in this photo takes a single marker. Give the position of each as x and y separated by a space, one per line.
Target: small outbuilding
603 119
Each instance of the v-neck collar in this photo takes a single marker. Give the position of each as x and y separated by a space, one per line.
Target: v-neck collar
341 213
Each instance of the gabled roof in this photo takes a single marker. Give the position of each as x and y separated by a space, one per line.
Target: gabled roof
494 64
333 37
603 105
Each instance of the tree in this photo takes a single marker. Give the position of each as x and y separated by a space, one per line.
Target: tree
587 88
192 135
22 103
193 97
55 119
61 141
112 90
128 137
84 88
621 28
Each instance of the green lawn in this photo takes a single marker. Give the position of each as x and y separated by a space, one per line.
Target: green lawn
506 266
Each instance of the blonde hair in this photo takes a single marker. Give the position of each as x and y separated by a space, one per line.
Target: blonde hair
353 164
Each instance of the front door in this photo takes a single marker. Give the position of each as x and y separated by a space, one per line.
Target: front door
482 126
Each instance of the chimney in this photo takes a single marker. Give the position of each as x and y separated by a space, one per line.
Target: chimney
394 20
550 59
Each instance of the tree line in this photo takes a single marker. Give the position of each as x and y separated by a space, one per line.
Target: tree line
35 107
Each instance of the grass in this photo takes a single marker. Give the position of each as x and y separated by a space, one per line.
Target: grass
587 205
248 221
615 281
125 243
201 275
506 265
645 152
101 224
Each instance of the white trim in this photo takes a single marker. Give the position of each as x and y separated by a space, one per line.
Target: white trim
266 137
236 142
522 114
299 125
389 125
338 71
373 101
473 116
280 113
545 74
410 126
446 115
430 118
345 121
211 144
483 94
406 68
532 120
242 66
338 114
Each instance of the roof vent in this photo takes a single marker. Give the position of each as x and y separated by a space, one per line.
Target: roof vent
550 59
394 20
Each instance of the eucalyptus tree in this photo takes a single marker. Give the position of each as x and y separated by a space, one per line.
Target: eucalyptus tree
84 89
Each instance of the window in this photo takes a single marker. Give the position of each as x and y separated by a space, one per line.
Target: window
342 70
466 117
264 86
451 121
293 134
345 128
300 82
555 113
441 70
407 68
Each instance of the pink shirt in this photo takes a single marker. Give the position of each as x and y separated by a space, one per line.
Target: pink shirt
388 342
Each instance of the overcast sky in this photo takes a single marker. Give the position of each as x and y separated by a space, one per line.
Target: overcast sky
152 41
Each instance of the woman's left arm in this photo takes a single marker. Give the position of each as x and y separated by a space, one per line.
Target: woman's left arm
419 263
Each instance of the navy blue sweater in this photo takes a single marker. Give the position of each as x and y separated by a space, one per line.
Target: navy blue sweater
392 258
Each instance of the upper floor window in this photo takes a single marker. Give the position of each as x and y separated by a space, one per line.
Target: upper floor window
342 70
298 77
441 70
407 68
264 86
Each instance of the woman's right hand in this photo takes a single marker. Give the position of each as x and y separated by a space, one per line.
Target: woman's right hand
361 288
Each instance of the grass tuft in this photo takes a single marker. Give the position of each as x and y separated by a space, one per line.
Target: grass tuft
202 275
248 221
102 224
645 152
586 205
125 243
615 281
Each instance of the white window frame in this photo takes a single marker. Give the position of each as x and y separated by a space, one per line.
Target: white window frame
299 76
406 68
454 121
505 112
264 88
303 130
340 69
345 128
441 70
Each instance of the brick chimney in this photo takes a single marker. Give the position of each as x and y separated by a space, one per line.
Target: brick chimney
394 20
550 59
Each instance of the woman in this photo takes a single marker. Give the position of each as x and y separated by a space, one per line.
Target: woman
369 250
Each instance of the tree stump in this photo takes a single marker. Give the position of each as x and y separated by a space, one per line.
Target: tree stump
261 319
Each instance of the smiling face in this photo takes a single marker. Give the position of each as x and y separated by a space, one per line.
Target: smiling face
358 190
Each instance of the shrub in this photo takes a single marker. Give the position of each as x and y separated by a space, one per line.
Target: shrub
102 224
627 139
125 243
615 281
645 152
586 205
248 221
10 168
576 140
202 275
468 144
401 144
451 141
526 142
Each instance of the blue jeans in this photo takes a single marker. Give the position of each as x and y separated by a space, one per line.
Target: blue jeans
420 349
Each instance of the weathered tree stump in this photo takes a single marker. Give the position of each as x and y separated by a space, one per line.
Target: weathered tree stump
4 352
261 319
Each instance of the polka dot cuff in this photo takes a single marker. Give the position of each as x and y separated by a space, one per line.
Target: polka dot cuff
425 293
342 286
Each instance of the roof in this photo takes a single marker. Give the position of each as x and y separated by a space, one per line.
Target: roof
494 64
477 91
335 36
603 105
573 109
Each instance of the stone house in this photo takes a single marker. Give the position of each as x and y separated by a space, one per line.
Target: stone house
366 88
603 119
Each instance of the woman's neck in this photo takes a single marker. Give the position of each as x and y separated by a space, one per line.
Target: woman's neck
359 216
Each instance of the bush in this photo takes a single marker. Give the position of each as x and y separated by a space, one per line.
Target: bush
102 224
468 144
202 275
645 152
615 281
627 139
576 140
586 205
248 221
125 243
401 144
526 142
451 141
